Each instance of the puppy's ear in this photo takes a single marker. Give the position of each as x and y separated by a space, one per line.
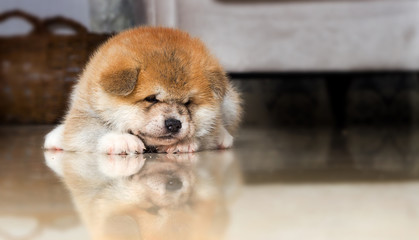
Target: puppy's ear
120 82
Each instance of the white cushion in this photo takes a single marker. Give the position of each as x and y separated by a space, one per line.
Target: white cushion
250 36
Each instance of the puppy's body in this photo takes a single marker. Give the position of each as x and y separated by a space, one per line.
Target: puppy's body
150 87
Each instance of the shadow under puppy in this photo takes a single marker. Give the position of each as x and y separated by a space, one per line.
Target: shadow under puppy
154 87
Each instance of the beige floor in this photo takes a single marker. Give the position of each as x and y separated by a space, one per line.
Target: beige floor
294 184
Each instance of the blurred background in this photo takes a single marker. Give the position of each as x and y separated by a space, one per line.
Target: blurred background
331 93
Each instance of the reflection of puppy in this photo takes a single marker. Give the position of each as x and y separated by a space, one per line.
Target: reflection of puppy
168 197
150 86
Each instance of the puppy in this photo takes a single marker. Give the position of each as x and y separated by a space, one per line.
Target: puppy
150 87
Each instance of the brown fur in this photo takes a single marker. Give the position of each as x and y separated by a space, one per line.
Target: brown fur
111 96
121 82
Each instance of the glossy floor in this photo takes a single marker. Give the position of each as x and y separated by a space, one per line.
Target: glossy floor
274 184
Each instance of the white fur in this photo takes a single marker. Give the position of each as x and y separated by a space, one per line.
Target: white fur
225 140
124 117
100 121
156 126
229 108
189 146
205 121
120 143
53 140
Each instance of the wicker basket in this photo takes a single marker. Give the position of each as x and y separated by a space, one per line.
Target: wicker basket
38 70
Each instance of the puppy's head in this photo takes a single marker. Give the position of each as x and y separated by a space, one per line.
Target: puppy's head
159 84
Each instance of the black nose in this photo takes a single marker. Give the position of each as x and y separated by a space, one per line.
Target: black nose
173 125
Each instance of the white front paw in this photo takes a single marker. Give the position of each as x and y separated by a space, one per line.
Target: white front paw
120 143
188 146
53 140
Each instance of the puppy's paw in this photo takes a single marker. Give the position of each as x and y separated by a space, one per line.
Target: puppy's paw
189 146
120 143
225 140
53 140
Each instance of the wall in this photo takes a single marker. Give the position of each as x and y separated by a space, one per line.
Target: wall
75 9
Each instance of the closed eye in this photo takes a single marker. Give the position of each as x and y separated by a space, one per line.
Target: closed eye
151 99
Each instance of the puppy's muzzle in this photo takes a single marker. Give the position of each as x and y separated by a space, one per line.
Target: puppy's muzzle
173 125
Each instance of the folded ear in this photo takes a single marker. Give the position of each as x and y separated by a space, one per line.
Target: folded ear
120 82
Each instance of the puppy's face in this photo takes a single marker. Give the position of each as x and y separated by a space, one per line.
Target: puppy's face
164 91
